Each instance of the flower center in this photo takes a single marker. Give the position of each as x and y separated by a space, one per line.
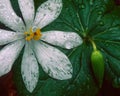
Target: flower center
33 35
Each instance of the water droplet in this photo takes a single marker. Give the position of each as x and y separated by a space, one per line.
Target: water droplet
99 12
17 19
1 6
119 79
116 82
63 87
32 7
106 44
13 14
84 83
91 2
106 60
80 89
34 28
71 87
68 45
101 23
88 78
23 28
88 87
82 6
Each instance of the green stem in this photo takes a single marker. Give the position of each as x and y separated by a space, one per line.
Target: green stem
93 44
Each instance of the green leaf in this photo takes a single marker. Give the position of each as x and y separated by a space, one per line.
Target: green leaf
91 20
82 82
108 43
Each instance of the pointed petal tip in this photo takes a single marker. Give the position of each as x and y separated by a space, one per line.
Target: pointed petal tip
80 40
5 71
8 56
9 18
27 15
72 43
65 75
48 12
67 40
55 63
30 90
29 69
68 76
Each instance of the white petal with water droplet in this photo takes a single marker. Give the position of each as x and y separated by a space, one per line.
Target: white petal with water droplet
48 12
66 40
9 36
29 69
9 17
53 61
27 9
8 55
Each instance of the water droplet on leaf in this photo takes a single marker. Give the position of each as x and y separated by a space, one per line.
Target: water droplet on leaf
116 82
101 23
88 87
91 2
99 12
82 6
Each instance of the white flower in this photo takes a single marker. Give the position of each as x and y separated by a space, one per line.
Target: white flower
54 62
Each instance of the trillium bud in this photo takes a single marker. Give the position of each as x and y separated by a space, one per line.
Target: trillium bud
98 66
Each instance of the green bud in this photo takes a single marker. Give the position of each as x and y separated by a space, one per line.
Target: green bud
98 66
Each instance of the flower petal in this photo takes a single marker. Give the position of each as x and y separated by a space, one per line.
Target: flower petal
53 61
29 69
9 36
48 12
9 17
66 40
8 55
27 9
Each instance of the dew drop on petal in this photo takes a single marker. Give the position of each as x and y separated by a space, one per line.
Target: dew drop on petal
2 6
17 20
34 28
12 14
68 44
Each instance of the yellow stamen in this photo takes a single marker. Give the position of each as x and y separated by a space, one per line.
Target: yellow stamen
26 33
37 34
33 35
28 38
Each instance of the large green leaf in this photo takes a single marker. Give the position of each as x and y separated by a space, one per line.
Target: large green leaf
91 20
